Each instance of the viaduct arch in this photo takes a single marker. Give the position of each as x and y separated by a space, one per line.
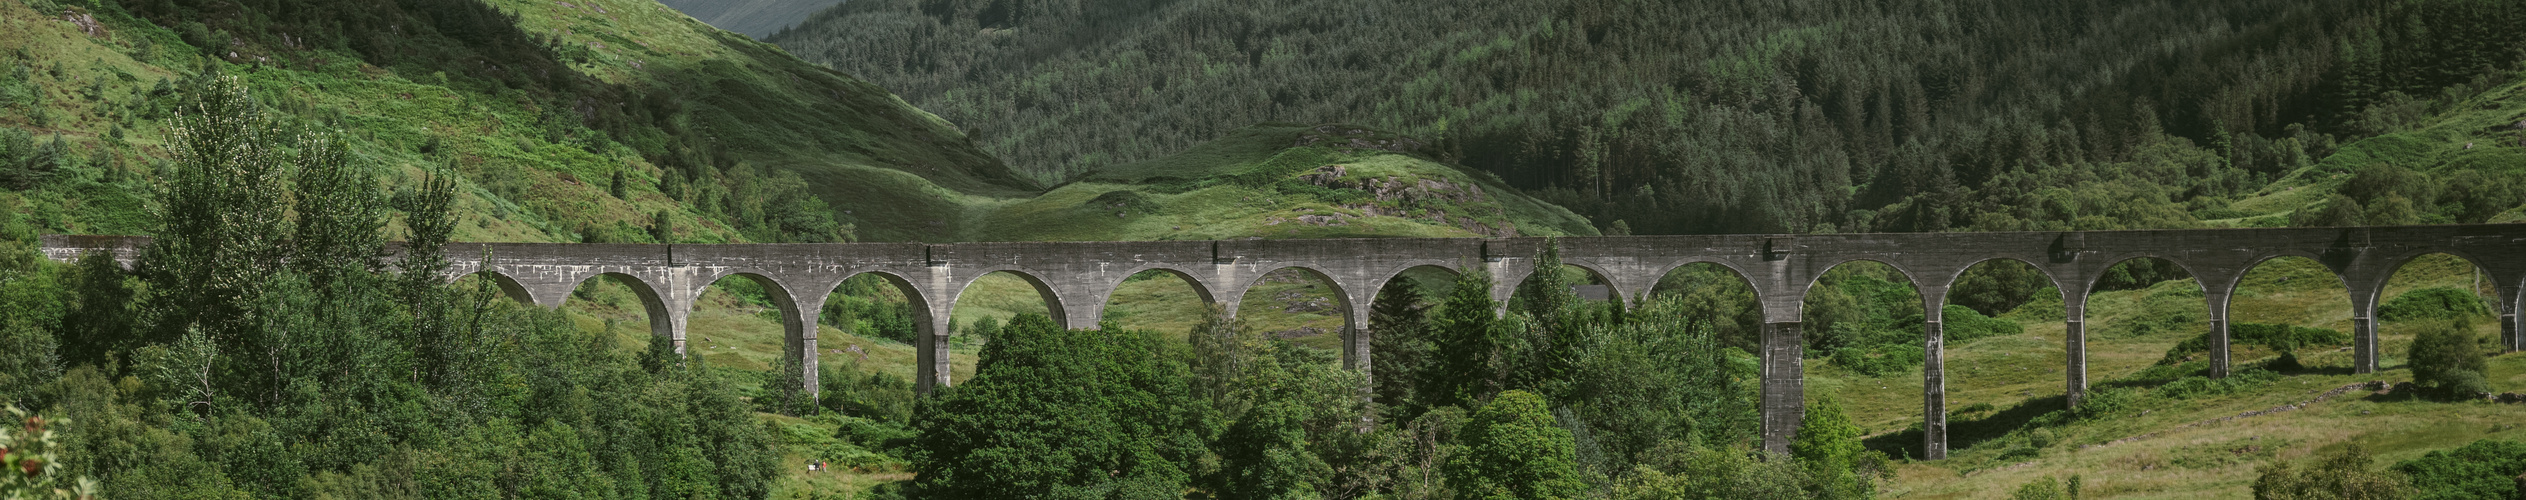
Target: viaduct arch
1077 278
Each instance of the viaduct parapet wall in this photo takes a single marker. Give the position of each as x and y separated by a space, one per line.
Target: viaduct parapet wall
1076 278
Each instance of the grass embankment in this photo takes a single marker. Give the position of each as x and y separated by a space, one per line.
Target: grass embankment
2478 134
1997 385
1280 181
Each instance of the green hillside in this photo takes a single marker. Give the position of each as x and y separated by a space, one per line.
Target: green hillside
1282 181
540 107
624 121
755 18
1681 117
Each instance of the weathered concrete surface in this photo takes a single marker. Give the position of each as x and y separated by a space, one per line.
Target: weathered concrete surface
1076 279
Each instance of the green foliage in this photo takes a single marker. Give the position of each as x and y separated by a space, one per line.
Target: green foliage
1828 445
35 307
1797 119
1059 413
1473 346
2341 473
869 306
1961 324
2435 303
2484 469
2197 386
2447 357
25 164
2043 488
270 354
1659 379
1711 296
875 395
1557 333
1514 449
1676 470
2278 338
1880 361
1290 413
1861 304
31 465
1404 351
1996 287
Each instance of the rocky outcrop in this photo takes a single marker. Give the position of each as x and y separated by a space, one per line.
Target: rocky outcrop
1401 197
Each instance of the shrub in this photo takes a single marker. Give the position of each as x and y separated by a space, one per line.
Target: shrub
1879 361
2198 386
2445 358
2278 338
1678 470
2043 488
1829 445
1963 324
2341 474
1514 449
2484 469
2102 402
32 466
2432 303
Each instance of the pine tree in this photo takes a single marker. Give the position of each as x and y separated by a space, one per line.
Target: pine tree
1469 343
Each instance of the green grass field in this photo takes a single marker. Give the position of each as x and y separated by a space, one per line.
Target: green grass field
2020 376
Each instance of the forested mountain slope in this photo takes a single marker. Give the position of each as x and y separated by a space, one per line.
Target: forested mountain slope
755 18
593 121
1681 117
605 120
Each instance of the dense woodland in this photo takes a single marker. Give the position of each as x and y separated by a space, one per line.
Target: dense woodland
1785 116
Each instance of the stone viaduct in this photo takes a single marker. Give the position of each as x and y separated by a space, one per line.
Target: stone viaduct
1075 279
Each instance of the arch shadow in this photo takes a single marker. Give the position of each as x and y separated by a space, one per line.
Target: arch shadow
2099 278
661 321
508 286
1996 374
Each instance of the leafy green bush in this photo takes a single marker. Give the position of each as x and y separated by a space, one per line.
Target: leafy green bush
2446 357
31 465
2278 338
1881 360
2197 386
1062 413
2485 469
1963 324
1678 470
875 395
2432 303
2104 401
1828 444
2340 474
2042 488
1514 449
